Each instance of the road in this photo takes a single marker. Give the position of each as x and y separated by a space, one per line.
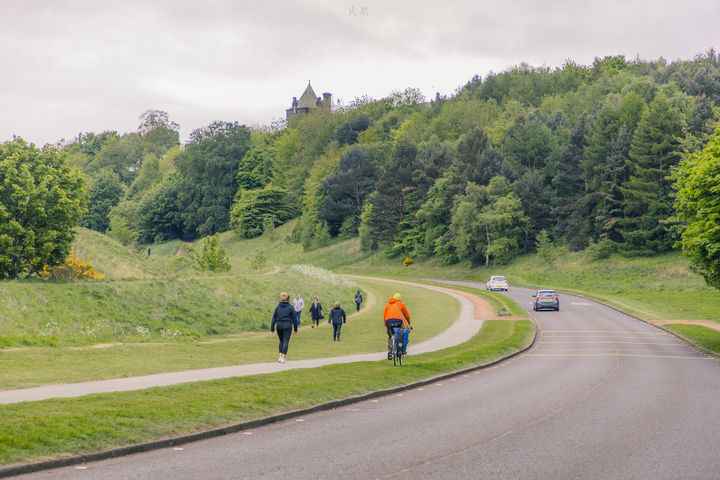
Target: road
601 396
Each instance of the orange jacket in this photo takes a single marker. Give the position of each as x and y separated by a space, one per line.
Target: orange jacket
396 310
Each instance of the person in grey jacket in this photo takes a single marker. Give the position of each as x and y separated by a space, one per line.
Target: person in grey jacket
337 318
284 321
298 304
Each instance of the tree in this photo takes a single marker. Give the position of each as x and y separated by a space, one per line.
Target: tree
488 223
41 201
345 191
158 131
208 176
697 182
160 212
252 208
654 152
255 169
123 155
106 192
393 195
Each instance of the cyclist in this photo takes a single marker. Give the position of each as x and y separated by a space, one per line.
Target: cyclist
397 315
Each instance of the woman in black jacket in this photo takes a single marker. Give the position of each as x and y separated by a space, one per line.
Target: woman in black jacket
283 321
316 312
337 318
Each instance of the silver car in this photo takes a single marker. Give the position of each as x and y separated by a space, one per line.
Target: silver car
497 283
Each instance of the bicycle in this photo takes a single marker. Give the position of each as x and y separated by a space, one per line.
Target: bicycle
397 346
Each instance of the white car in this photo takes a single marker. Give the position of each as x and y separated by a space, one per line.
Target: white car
497 283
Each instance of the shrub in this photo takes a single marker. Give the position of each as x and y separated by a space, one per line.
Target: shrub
600 250
212 256
407 261
74 268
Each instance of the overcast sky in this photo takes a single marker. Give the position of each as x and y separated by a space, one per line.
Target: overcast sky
71 66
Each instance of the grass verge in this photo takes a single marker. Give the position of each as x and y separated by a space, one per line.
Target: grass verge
433 313
705 337
53 428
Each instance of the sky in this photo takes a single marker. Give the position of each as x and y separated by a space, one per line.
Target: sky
70 66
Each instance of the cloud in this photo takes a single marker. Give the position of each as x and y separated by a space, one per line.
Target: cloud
71 66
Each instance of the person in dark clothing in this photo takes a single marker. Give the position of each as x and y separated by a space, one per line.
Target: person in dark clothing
316 312
284 321
337 318
358 300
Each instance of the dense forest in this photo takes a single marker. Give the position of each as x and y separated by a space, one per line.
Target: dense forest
576 155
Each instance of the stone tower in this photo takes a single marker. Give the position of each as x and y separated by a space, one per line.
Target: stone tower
308 102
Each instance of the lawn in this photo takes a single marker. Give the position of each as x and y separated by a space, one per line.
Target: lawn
433 312
52 428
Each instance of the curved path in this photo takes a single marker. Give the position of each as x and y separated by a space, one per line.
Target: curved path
600 396
460 331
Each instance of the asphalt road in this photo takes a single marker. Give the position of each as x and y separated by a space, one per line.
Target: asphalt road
601 396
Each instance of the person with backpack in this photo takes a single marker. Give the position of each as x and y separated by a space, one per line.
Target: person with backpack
358 300
284 321
397 316
316 312
298 305
337 318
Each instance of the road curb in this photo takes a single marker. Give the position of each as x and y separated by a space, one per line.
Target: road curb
22 469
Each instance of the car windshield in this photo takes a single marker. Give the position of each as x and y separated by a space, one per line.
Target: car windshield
498 279
546 293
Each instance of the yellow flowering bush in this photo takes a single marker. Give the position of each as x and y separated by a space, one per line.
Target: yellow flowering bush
74 268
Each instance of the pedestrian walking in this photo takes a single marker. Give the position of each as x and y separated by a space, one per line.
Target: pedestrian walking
358 300
316 312
337 318
298 305
284 321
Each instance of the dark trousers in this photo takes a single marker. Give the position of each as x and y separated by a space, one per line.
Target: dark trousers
316 322
357 305
284 335
336 331
297 317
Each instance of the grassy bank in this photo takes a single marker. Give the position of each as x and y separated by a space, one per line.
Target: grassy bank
699 335
32 431
364 333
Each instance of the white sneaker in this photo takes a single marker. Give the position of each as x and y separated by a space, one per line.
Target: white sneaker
281 359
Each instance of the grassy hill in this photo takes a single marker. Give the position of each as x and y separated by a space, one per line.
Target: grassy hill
145 298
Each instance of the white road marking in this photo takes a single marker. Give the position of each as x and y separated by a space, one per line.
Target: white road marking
247 433
602 342
299 419
178 449
81 467
632 332
615 354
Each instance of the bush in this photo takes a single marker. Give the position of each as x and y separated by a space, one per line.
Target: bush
407 261
74 268
600 250
212 256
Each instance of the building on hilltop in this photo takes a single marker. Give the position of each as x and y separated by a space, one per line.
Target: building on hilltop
308 102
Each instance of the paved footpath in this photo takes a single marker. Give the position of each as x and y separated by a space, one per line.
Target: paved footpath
460 331
600 396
